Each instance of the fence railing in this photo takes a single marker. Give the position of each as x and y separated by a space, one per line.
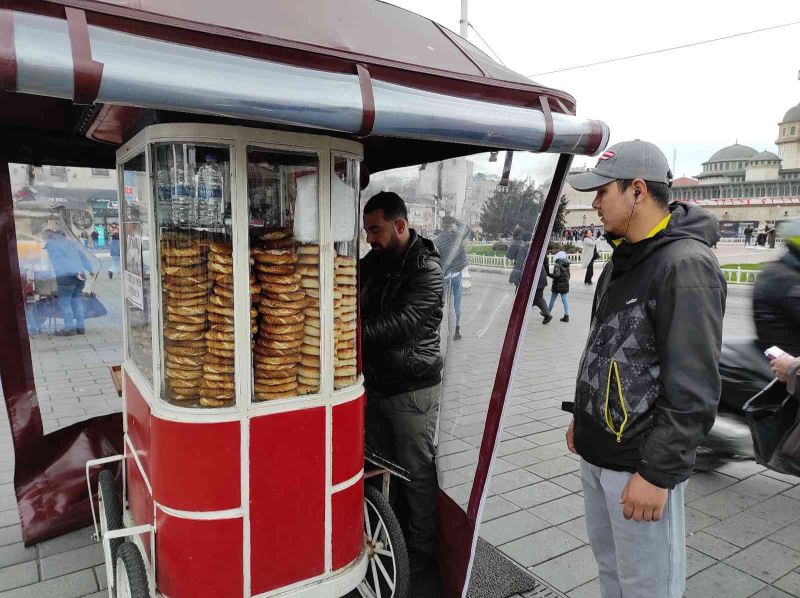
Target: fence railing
740 276
497 261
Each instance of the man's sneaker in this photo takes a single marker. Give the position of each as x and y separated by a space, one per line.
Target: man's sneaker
547 319
457 335
565 319
80 330
110 274
65 333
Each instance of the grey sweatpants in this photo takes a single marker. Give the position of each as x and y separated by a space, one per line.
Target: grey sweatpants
636 559
402 427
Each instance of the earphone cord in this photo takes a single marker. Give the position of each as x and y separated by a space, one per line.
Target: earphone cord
633 207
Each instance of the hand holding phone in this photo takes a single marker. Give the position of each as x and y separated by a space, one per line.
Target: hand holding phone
774 352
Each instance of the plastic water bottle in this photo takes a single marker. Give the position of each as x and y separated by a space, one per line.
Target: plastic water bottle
164 197
209 194
184 207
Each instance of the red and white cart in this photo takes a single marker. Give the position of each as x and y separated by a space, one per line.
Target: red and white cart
242 135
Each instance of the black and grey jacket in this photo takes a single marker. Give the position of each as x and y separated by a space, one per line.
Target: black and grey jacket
401 309
648 384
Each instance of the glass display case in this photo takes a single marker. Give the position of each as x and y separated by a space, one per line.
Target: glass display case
280 224
193 213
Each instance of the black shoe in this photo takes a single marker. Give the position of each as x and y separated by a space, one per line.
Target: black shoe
547 319
589 282
80 330
65 333
457 335
565 319
110 275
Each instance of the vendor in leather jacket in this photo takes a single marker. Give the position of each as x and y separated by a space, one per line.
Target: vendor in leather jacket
401 309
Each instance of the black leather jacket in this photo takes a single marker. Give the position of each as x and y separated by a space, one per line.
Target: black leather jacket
401 309
776 303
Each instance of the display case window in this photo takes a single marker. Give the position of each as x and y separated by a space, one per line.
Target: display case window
196 269
345 228
137 264
283 197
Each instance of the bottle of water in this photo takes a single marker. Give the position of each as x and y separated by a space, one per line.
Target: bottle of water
210 203
164 197
184 207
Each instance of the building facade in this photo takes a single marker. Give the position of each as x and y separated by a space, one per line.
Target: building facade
738 184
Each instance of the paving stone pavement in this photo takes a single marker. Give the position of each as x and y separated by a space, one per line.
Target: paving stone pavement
743 522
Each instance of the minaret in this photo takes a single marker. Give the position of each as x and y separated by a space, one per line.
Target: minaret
788 141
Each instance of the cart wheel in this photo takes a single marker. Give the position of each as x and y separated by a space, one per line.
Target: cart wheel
111 508
387 569
131 577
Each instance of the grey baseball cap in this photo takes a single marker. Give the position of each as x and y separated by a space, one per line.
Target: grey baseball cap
635 159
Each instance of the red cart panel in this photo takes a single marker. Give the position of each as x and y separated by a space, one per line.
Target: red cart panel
287 498
196 466
348 440
140 502
198 558
348 524
138 419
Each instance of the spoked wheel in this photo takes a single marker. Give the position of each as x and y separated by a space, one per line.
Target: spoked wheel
131 576
387 570
111 511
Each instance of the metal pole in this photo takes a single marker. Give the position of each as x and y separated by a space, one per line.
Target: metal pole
464 21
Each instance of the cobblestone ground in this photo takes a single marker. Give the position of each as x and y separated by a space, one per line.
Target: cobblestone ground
743 522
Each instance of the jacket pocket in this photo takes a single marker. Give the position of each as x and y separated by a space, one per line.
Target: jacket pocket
614 406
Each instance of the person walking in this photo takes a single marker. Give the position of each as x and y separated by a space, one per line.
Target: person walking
588 255
69 265
401 310
748 235
518 252
113 249
95 236
648 383
560 284
770 231
450 245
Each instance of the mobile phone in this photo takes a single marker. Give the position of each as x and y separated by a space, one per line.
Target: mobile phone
774 352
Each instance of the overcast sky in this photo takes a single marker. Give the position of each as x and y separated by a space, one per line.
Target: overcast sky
695 100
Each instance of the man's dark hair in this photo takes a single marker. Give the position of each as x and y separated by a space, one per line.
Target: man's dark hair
659 191
390 202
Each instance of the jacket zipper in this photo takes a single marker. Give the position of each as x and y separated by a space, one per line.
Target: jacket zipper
614 368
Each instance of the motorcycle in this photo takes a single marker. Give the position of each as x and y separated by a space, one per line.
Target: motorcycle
745 372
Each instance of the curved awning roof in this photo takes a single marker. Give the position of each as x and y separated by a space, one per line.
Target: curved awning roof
399 80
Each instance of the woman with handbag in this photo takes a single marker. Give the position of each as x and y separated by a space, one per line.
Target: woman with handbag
786 457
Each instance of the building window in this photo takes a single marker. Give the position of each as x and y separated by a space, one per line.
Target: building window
99 171
59 173
792 131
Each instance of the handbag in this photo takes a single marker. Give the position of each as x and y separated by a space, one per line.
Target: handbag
772 415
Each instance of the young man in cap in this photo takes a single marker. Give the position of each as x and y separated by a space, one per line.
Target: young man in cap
648 384
401 309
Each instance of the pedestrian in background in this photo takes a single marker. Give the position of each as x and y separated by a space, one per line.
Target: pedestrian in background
69 265
450 245
588 255
648 382
560 284
113 249
748 235
95 236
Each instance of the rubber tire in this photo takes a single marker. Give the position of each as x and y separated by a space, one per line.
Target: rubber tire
112 508
129 557
395 533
